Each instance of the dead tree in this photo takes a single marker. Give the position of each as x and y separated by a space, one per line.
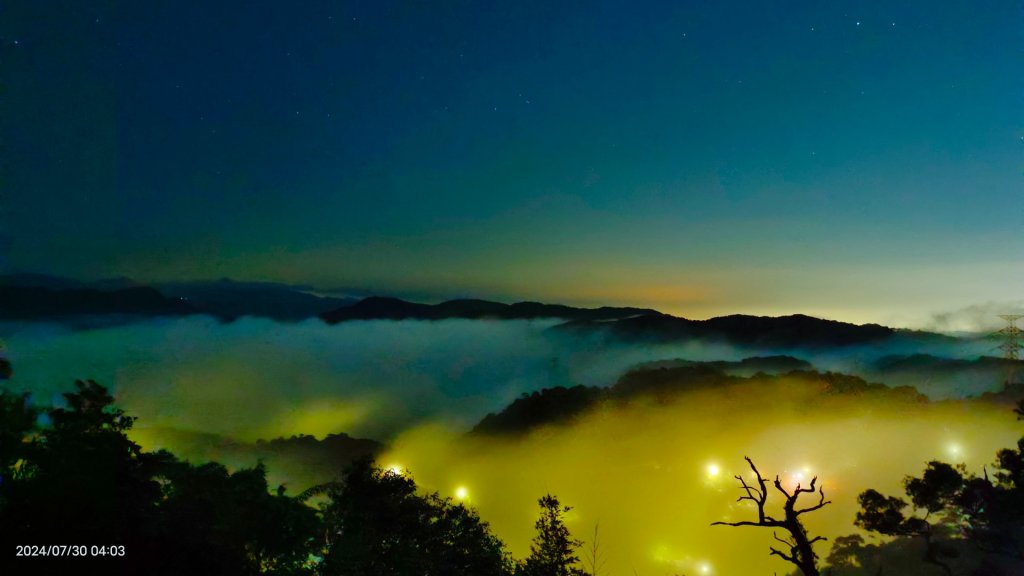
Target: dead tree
801 546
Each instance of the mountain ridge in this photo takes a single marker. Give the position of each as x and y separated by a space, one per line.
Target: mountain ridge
39 296
387 308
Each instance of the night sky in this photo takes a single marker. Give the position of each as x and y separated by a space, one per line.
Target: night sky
857 160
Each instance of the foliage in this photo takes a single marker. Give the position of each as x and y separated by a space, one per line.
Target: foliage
229 523
80 480
377 524
72 475
553 551
947 508
17 419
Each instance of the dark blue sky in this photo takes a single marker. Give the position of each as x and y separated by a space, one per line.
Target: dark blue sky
862 160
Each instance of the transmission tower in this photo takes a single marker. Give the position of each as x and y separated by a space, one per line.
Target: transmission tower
1011 336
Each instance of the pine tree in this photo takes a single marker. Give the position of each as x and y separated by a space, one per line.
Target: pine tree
553 551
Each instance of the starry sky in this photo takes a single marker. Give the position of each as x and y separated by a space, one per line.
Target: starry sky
857 160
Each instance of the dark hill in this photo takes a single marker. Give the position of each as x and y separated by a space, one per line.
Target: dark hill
28 296
22 302
30 280
764 332
745 367
795 330
228 299
962 376
560 405
548 406
379 308
928 362
663 383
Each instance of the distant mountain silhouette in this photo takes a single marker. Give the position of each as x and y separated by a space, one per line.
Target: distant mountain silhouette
796 331
962 375
23 302
745 367
28 296
116 283
228 299
380 308
560 405
928 362
34 280
41 281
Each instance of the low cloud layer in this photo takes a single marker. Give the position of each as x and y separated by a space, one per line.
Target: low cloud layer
982 317
258 378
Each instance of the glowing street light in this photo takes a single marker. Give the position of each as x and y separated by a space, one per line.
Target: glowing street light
713 470
955 450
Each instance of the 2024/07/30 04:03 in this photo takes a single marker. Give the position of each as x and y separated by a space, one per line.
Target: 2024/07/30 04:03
69 550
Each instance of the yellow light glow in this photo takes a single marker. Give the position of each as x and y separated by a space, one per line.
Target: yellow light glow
396 469
704 568
713 470
461 493
954 450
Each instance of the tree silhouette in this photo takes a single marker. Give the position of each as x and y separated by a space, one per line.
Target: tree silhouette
17 419
6 371
377 524
884 514
801 545
80 480
218 522
553 551
82 477
948 508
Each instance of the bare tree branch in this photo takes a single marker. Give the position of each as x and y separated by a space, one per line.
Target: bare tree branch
821 503
778 486
774 552
774 523
801 546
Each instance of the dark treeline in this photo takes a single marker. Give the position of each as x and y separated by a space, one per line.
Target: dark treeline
71 476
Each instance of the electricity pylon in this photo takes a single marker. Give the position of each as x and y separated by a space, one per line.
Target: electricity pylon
1011 336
